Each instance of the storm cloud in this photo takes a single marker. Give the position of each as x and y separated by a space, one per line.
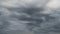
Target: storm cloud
29 16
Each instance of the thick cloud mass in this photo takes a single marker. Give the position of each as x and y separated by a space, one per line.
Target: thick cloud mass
29 16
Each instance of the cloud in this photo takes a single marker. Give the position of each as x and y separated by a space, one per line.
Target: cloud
53 4
29 15
25 3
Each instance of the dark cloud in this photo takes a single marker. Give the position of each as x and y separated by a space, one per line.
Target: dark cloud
30 17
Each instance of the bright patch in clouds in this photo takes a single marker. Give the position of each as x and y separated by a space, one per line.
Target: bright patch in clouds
54 4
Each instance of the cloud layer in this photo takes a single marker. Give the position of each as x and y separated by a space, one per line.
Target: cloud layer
38 16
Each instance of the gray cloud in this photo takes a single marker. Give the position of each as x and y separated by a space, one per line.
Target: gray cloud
34 16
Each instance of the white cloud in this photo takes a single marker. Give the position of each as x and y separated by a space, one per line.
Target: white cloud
53 4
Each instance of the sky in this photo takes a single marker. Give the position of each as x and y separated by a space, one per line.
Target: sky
29 15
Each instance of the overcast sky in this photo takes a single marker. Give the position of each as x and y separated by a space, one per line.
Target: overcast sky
14 12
